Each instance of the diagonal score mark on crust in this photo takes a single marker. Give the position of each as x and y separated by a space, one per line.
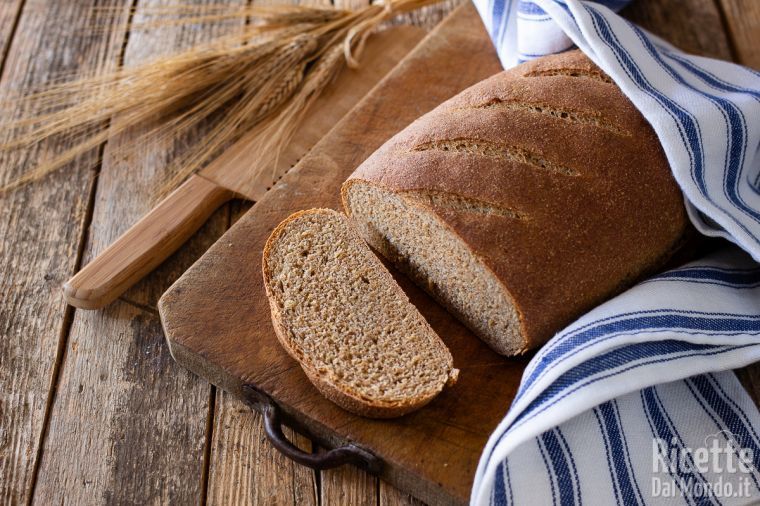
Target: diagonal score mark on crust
493 150
453 201
570 72
588 118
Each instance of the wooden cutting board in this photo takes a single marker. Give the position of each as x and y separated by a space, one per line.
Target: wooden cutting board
217 319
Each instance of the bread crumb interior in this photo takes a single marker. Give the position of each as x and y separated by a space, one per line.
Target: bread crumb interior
407 232
346 317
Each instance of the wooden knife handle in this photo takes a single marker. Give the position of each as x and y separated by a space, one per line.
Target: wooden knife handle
148 243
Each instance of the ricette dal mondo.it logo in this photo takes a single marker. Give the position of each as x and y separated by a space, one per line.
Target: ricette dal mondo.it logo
722 467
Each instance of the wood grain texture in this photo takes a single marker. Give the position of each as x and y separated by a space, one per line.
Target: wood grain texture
133 420
122 405
391 496
217 318
127 181
743 23
246 469
348 485
10 10
41 226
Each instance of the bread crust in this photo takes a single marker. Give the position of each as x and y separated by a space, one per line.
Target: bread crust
557 144
344 398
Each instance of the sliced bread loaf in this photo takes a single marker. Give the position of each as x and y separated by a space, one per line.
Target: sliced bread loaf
340 314
523 201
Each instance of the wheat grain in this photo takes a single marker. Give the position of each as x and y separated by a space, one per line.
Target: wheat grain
263 78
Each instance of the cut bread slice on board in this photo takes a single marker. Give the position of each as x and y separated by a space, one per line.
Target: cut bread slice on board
340 314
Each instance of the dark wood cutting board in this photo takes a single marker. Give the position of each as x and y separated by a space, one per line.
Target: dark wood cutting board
217 321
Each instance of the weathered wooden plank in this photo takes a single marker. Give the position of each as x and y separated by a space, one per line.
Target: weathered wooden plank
128 424
348 485
123 405
426 17
40 228
695 29
750 378
743 20
246 469
10 10
391 496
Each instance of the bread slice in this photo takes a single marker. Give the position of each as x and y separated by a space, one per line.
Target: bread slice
340 314
524 201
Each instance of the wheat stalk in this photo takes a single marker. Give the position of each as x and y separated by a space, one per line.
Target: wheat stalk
263 79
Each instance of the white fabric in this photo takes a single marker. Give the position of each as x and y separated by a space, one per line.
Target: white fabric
597 396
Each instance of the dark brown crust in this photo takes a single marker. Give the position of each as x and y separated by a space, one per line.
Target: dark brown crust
342 398
587 232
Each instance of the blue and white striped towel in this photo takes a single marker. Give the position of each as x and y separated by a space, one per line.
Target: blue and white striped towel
635 402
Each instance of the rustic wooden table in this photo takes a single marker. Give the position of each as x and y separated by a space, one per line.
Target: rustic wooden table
92 407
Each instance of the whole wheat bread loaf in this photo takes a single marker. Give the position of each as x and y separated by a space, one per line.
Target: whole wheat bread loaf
340 314
523 201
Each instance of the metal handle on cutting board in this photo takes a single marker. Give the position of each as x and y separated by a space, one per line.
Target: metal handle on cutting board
348 454
148 243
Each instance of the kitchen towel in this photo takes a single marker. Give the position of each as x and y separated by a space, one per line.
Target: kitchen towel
635 402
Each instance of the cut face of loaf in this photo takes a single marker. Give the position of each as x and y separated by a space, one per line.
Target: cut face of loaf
524 201
403 230
340 314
